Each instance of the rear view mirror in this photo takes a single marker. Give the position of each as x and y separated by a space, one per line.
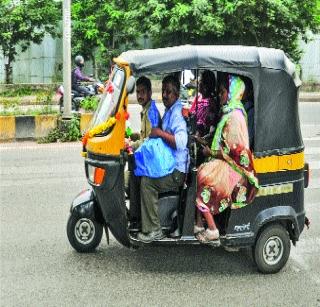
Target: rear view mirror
130 84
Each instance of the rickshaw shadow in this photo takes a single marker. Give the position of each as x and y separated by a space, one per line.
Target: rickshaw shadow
194 259
172 259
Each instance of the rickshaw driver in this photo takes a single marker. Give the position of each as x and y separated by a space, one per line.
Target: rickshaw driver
174 133
144 94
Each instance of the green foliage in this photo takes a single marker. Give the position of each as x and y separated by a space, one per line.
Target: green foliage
276 23
90 103
101 29
66 131
23 22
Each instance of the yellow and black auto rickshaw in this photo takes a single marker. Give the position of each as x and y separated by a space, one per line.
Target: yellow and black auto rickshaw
277 215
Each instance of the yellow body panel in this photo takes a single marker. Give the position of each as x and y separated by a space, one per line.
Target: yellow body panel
112 143
274 164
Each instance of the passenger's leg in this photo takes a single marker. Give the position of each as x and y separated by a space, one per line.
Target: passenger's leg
135 199
149 200
199 225
150 189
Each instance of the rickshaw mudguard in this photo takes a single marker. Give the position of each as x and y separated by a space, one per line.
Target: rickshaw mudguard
280 214
111 197
85 205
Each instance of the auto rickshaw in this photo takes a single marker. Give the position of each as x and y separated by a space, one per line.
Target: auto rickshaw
277 215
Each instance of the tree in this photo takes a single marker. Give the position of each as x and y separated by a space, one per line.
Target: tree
174 22
269 23
101 29
277 23
23 22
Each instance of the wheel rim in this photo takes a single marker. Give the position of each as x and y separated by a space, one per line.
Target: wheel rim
273 250
84 231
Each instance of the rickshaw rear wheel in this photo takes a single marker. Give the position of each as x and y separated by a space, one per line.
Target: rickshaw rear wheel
272 249
84 233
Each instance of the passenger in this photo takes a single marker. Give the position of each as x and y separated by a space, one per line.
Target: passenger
174 133
248 104
131 182
205 108
228 179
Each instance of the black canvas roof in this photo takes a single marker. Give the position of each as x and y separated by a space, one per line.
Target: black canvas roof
275 83
149 61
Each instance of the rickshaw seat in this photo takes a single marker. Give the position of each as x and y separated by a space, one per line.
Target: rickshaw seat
169 193
168 209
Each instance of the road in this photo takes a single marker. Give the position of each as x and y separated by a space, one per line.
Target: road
39 267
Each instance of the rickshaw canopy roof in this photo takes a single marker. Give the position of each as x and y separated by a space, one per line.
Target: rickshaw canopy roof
164 60
275 84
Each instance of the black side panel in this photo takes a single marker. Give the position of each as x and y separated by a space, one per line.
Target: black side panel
189 212
247 221
111 198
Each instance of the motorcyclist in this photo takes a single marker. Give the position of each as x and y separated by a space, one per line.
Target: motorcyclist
77 77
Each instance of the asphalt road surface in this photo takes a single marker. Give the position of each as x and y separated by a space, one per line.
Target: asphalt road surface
40 268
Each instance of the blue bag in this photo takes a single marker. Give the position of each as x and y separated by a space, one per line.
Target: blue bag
154 158
154 115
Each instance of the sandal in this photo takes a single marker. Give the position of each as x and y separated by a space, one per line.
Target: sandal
197 229
208 236
212 235
200 236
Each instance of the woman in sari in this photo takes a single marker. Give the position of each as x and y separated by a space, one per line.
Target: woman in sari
204 106
227 179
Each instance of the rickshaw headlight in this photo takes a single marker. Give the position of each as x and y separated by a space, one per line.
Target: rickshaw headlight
96 174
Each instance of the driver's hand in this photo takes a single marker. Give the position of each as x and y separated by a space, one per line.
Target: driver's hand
155 132
127 142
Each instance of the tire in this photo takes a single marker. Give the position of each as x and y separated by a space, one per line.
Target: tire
272 249
84 234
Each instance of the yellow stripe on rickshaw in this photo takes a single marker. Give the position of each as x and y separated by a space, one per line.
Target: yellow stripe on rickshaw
274 164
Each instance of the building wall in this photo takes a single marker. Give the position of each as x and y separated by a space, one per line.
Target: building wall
310 62
39 64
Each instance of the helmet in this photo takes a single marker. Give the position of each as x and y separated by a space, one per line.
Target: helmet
79 60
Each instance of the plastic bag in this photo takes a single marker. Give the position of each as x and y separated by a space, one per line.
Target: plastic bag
154 115
154 158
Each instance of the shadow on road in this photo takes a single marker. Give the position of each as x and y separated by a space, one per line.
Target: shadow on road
159 259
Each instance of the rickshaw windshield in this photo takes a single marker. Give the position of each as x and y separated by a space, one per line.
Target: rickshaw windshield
109 101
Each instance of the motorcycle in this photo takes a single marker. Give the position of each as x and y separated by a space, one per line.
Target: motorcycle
94 89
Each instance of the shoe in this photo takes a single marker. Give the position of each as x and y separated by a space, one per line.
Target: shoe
151 236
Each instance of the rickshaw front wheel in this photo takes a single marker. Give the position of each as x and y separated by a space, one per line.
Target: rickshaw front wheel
84 233
272 249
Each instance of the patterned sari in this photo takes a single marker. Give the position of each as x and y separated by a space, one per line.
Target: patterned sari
230 180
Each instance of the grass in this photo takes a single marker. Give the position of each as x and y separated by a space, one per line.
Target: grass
45 110
25 95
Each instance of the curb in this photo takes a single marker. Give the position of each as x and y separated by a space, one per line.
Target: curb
27 127
309 97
